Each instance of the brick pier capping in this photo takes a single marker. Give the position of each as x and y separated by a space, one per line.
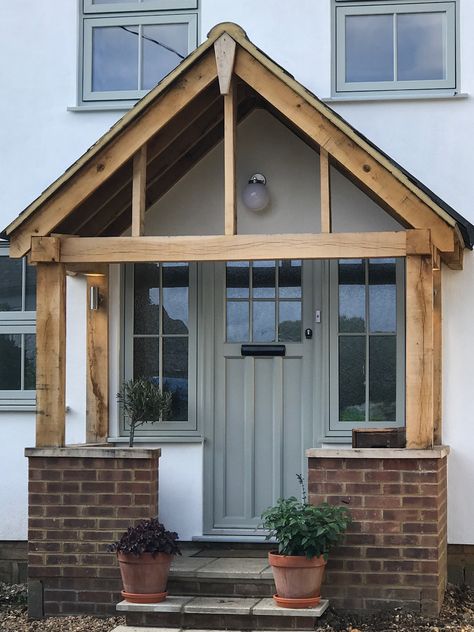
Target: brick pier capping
395 552
81 499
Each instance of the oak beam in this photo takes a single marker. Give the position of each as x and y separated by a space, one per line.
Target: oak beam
139 192
97 384
419 352
437 357
234 247
50 354
405 205
114 155
224 50
324 168
230 122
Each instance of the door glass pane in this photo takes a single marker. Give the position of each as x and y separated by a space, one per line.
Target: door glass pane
369 48
147 298
146 358
237 321
30 362
237 279
175 298
263 321
382 295
352 378
382 378
421 49
351 295
10 284
175 375
164 46
289 323
263 279
289 279
10 366
30 289
115 58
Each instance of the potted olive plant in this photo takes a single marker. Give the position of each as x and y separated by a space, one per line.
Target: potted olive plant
305 534
145 553
143 402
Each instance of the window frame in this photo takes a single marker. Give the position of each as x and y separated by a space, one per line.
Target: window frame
17 323
153 13
335 427
174 429
343 8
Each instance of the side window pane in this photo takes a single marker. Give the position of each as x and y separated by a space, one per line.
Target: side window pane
351 296
237 321
146 358
263 279
175 375
382 296
175 298
146 316
352 378
289 279
420 46
264 321
114 58
289 323
10 284
237 279
382 378
10 365
30 289
369 48
30 362
164 46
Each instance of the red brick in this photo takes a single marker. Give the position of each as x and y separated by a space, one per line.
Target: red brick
80 475
382 477
345 476
363 464
420 527
383 502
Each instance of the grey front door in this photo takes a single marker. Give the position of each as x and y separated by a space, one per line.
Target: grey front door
263 414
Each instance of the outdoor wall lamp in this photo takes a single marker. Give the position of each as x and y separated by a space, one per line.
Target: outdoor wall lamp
94 298
255 195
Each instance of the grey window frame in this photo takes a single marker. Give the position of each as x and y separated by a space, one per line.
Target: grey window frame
17 323
175 429
116 14
334 427
343 8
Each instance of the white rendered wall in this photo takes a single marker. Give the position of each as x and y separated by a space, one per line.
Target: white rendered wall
39 138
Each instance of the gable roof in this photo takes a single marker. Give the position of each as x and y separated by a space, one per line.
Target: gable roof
182 114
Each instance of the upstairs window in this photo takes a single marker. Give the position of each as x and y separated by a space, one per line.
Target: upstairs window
17 333
394 47
129 46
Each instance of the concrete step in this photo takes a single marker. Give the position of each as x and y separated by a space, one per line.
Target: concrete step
225 576
220 613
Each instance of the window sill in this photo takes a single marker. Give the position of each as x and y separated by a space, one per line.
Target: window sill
357 98
158 439
17 408
102 107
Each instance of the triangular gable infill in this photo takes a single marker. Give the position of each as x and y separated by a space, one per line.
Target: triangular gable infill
409 201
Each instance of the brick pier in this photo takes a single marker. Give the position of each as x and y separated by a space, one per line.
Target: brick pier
395 553
80 499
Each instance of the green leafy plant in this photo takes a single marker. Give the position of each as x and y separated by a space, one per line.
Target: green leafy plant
148 536
143 402
303 529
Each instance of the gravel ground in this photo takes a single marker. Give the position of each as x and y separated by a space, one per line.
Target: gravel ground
457 615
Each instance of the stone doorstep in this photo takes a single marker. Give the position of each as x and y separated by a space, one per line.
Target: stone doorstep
220 568
223 606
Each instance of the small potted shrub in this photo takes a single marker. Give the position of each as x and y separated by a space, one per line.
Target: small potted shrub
305 534
145 553
143 402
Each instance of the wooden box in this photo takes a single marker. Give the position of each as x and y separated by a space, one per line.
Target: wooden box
378 438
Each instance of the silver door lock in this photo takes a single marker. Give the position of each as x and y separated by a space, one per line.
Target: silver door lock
317 316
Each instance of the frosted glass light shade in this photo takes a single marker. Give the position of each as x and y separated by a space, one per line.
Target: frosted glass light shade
255 195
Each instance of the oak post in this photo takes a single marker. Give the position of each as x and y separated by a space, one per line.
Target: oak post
437 357
50 355
419 351
97 390
230 202
325 191
139 192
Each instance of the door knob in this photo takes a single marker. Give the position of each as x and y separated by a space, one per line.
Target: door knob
308 334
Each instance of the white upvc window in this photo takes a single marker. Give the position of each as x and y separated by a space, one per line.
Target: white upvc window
394 47
17 333
128 47
367 344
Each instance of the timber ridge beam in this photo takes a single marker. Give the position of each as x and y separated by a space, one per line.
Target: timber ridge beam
72 250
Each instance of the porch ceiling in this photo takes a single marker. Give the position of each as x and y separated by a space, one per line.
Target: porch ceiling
182 119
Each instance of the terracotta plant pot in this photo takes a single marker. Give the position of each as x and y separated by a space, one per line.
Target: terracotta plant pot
297 579
144 577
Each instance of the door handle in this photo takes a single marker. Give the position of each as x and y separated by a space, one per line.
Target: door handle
308 333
